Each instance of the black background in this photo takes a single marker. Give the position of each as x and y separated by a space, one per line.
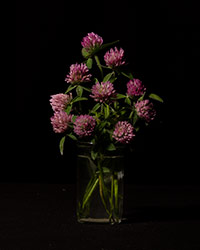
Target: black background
161 42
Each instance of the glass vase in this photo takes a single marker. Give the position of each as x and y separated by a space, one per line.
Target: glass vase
99 186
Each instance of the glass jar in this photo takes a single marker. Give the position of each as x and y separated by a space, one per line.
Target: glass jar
99 185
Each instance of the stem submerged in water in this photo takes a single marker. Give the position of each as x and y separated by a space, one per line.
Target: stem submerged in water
116 192
102 188
102 191
89 192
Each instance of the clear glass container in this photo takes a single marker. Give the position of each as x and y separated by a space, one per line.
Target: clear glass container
99 186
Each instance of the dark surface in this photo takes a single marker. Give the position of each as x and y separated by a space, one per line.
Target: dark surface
42 216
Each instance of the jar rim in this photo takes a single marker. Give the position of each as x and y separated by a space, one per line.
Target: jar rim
90 144
84 143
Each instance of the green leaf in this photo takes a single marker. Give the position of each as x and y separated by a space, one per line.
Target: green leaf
68 109
73 137
78 99
101 125
131 114
79 90
116 105
93 141
108 77
108 44
141 97
120 96
111 147
127 100
85 54
96 80
156 97
128 75
74 118
87 89
96 107
89 63
94 155
61 145
122 112
70 88
135 118
112 79
105 170
107 111
137 129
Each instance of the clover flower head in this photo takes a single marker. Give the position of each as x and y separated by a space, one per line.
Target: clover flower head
59 102
84 125
123 132
60 121
135 88
91 42
145 110
103 92
78 73
114 58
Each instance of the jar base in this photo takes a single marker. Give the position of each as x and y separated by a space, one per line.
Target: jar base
98 220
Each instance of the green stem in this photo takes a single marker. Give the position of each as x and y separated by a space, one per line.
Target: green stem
99 65
102 188
112 190
101 191
116 192
111 196
89 193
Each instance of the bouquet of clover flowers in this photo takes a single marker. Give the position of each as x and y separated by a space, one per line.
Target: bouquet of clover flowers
94 110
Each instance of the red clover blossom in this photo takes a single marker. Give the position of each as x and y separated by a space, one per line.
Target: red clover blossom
123 132
135 88
145 110
91 42
59 102
78 73
60 121
114 57
84 125
103 92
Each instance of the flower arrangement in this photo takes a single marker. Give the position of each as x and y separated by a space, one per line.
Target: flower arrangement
93 109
